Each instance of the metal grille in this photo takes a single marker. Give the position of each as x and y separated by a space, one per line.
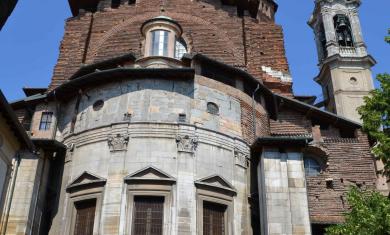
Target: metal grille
85 217
148 215
213 219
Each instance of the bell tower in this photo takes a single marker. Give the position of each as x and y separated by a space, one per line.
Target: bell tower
345 66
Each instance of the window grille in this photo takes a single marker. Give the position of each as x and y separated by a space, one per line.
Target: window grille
85 217
180 48
148 215
213 218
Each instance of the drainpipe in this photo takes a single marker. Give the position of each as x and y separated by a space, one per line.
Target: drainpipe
254 111
11 193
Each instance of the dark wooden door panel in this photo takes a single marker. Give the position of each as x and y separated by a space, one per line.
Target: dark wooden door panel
85 217
148 215
213 218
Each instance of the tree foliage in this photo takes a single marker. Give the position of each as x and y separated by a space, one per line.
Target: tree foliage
388 37
369 215
376 120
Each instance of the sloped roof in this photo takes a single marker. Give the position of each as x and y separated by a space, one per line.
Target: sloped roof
108 71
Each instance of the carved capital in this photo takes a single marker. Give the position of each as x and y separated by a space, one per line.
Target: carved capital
118 142
186 143
241 158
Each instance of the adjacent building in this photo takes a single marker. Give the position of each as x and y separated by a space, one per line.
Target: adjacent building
16 150
178 117
6 8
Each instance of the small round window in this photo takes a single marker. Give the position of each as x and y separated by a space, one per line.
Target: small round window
353 80
312 167
98 105
212 108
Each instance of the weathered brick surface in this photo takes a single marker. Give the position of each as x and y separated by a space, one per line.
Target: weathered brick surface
349 163
290 122
208 27
265 47
72 49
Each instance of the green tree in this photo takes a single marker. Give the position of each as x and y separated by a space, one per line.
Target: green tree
388 37
375 114
369 215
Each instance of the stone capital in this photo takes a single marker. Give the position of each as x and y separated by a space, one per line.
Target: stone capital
241 158
187 143
118 142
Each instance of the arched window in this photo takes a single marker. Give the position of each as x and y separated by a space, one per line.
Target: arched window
180 48
312 167
343 31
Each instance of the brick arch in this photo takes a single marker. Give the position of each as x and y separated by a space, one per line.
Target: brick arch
97 47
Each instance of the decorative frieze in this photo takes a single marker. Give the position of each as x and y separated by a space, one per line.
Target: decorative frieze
186 143
241 158
118 142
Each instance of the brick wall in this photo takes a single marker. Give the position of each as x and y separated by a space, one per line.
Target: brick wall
290 122
349 163
209 28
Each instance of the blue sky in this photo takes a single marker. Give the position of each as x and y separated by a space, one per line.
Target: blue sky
30 40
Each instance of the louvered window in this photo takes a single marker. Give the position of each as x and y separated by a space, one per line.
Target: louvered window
85 217
213 218
148 215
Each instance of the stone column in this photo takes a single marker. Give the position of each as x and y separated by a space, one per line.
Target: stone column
330 32
186 198
111 208
241 183
357 33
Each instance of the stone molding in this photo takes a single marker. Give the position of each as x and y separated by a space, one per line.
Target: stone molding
216 183
118 142
150 175
157 130
86 180
186 143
